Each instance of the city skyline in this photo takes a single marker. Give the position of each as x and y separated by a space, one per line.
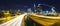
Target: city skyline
23 4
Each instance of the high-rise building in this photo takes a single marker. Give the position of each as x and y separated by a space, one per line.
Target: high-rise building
38 9
34 8
29 10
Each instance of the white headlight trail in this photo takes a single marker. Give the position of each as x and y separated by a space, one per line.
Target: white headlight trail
14 22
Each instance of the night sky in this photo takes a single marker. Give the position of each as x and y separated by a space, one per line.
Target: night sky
23 4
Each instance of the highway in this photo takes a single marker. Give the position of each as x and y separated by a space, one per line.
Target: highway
44 20
14 22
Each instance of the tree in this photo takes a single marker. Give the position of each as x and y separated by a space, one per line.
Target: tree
1 14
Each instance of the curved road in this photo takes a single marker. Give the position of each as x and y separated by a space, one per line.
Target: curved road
18 20
14 22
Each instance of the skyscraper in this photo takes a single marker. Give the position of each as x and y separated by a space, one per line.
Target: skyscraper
38 9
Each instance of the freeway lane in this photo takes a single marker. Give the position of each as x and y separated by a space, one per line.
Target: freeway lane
37 18
44 20
14 22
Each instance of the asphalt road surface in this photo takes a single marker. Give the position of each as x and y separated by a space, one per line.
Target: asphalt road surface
14 22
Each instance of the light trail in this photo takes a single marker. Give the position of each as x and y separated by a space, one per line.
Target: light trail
42 16
44 20
14 22
18 20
